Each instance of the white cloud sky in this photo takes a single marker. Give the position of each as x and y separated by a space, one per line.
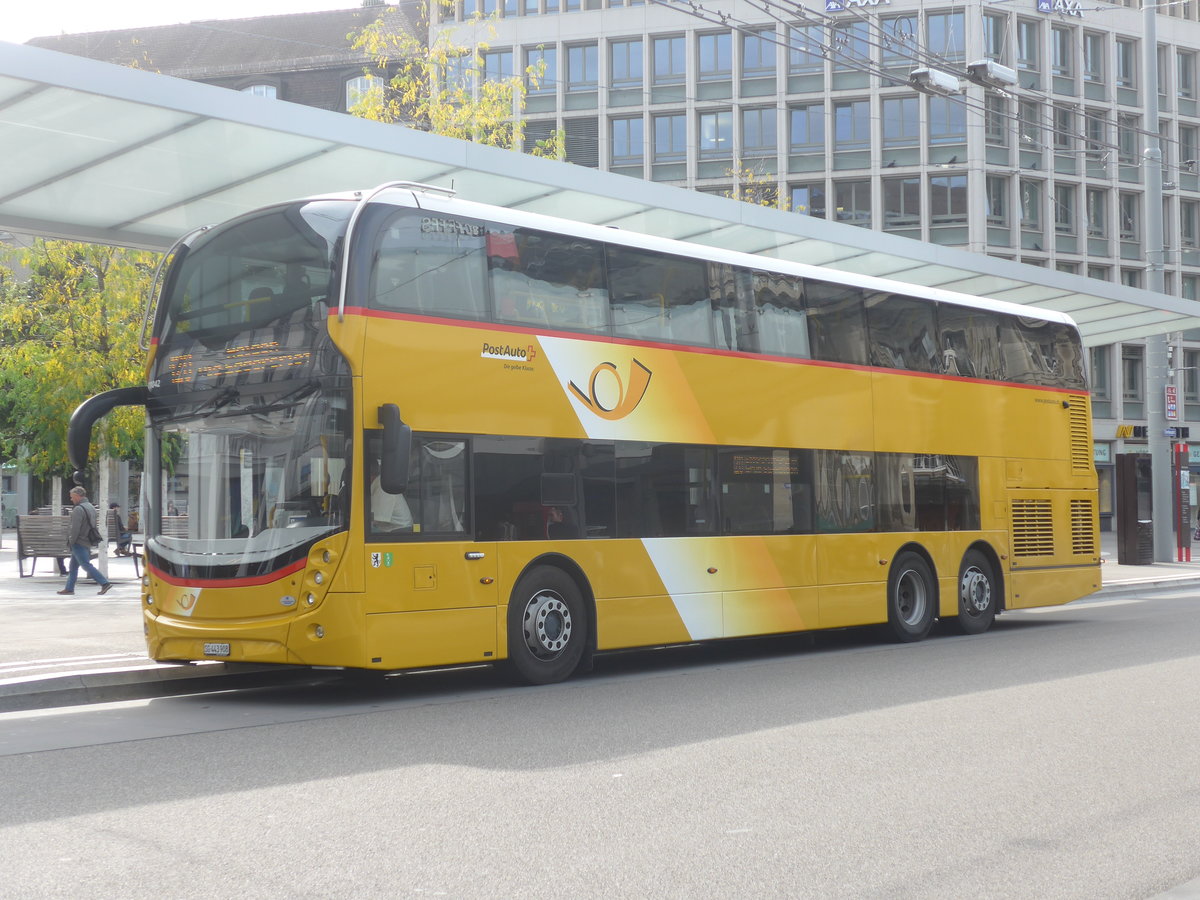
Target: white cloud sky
21 20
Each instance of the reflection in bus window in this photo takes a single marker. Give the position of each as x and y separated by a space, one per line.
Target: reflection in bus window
659 297
927 492
431 265
970 342
435 502
781 320
903 333
835 322
546 279
845 491
766 491
1040 352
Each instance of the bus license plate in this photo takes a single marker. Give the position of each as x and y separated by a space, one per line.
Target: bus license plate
212 649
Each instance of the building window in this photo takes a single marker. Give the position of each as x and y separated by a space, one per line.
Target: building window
1064 208
1062 52
853 201
670 138
1031 205
945 34
948 199
759 133
541 67
995 120
995 31
1100 273
357 90
1028 45
1129 206
1185 74
1126 63
1100 380
900 45
851 42
1191 376
582 67
807 126
1029 123
997 200
806 51
1097 212
1095 127
1189 223
715 52
1128 141
1189 147
852 125
715 134
266 90
1064 127
758 53
901 121
670 60
947 121
901 203
1094 50
809 199
627 137
497 65
1131 278
625 63
1133 385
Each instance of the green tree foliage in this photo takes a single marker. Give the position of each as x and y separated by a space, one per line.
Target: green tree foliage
68 331
440 85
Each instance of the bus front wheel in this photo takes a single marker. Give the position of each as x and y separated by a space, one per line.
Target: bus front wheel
547 627
977 594
912 598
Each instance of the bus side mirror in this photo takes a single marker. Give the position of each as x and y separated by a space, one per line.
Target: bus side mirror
397 448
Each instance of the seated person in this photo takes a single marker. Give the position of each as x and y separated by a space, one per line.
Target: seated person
124 537
389 512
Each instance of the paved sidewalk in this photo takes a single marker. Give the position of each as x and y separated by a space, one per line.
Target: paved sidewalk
85 647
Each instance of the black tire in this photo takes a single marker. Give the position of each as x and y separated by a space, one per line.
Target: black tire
911 598
547 627
978 595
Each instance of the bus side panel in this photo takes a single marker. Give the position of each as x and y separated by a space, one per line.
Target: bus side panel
1051 587
405 640
843 560
411 577
769 584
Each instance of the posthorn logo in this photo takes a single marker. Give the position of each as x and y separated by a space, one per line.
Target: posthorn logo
609 397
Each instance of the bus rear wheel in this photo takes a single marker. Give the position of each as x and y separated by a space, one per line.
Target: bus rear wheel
547 627
912 598
977 594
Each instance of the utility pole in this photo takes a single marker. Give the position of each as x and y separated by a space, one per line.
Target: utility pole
1162 485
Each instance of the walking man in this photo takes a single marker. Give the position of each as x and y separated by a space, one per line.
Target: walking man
83 517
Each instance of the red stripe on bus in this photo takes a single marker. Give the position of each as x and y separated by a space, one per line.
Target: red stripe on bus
688 348
249 581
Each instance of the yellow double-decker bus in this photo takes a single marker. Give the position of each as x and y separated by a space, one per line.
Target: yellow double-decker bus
398 430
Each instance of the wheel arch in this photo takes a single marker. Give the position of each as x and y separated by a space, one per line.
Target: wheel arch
989 553
575 572
919 550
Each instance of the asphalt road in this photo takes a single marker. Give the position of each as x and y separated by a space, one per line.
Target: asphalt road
1055 756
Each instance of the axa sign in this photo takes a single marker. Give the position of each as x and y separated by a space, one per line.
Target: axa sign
1063 7
843 5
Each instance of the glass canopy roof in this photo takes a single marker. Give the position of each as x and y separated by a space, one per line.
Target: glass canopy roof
102 153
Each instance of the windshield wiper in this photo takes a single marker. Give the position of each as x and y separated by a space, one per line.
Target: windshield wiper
287 401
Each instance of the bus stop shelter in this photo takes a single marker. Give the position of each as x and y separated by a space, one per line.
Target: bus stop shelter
101 153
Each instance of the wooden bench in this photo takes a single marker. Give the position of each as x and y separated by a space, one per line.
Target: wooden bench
41 536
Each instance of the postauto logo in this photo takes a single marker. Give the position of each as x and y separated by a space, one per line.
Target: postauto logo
509 352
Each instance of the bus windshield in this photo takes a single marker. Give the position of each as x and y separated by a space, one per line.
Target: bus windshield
246 483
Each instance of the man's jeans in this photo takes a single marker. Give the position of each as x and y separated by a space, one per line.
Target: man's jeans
82 556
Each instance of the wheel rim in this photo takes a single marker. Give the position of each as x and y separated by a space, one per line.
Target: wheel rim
912 597
975 591
546 625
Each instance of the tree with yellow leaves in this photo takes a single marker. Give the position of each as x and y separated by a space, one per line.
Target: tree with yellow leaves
68 331
442 85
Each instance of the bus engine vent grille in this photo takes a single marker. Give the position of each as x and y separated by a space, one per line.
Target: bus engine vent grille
1032 528
1083 532
1081 445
